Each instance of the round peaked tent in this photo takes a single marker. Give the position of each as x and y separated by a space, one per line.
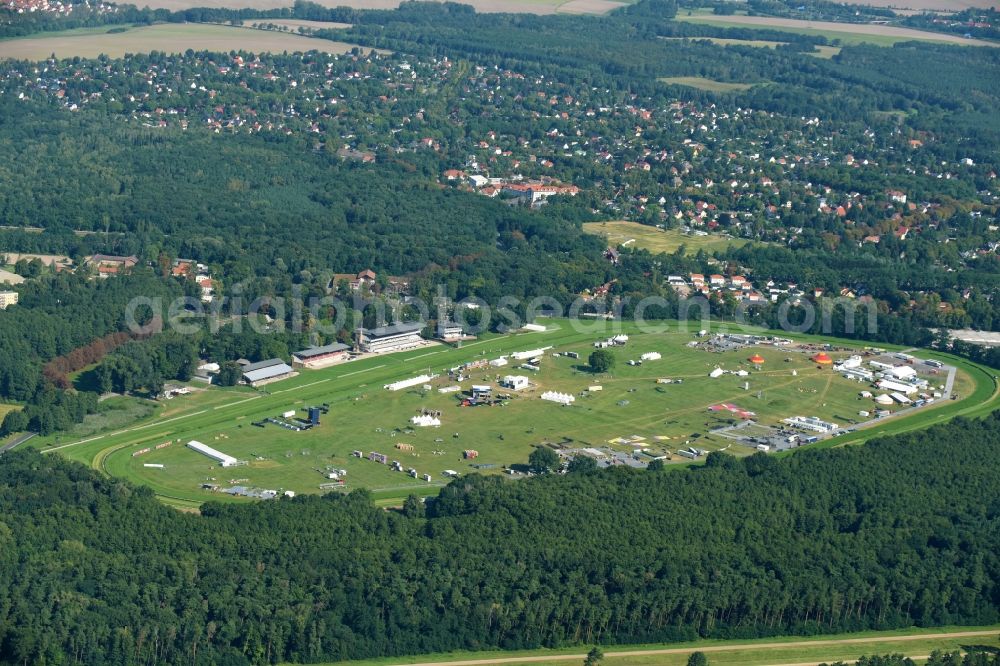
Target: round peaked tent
822 359
757 359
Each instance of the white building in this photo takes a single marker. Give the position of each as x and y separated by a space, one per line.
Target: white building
264 372
218 456
857 373
897 387
407 383
8 298
515 382
393 338
531 353
561 398
449 330
902 372
811 423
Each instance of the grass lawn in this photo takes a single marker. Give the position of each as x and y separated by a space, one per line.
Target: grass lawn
710 85
116 412
366 417
634 234
761 652
6 409
166 37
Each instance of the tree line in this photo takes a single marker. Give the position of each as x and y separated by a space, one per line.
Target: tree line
95 571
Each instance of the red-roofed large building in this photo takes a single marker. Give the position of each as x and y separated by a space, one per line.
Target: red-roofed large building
107 264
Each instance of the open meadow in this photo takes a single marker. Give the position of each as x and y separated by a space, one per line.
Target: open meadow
166 37
634 234
825 52
847 33
701 83
630 412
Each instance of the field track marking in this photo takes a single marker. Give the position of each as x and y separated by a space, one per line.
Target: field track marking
430 353
122 432
358 372
296 388
711 648
238 402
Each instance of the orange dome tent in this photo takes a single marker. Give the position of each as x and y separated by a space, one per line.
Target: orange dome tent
756 359
822 359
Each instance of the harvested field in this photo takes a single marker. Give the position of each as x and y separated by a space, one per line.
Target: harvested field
589 7
633 234
848 33
295 24
170 38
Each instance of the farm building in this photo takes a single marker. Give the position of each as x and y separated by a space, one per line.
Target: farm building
385 339
318 357
884 399
258 374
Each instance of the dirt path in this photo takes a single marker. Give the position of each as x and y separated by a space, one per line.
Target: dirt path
712 648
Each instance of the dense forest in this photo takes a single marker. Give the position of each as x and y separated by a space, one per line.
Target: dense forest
902 531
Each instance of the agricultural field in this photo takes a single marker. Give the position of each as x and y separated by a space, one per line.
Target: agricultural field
847 33
634 234
630 411
919 6
294 24
701 83
169 38
483 6
917 644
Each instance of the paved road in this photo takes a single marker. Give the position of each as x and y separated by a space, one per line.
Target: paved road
713 648
9 446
